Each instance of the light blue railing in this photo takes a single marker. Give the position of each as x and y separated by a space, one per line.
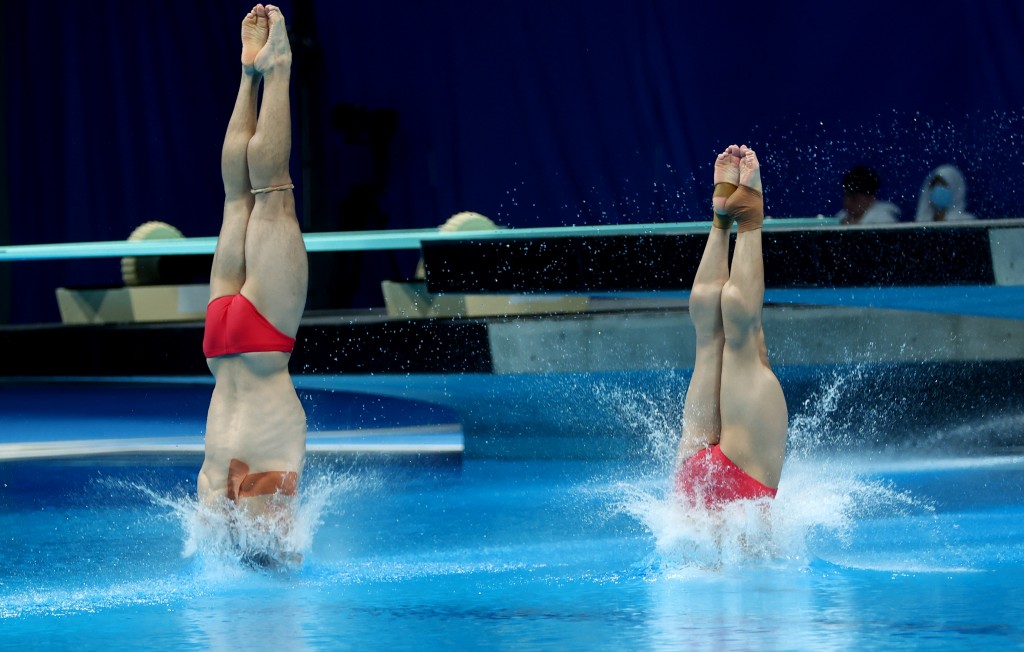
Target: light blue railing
367 240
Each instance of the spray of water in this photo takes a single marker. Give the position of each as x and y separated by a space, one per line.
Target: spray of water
822 498
224 541
804 159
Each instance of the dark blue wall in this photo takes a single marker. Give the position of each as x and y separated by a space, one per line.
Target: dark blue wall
535 113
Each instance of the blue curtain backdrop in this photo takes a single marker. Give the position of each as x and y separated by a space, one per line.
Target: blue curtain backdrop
534 113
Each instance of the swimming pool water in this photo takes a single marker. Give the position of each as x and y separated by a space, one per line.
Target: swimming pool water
434 553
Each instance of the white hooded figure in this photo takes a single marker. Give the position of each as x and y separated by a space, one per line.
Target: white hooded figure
943 197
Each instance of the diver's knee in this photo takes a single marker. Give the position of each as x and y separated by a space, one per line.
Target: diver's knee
736 306
706 293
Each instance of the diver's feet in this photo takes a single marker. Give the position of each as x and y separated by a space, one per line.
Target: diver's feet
746 205
255 30
727 168
750 169
727 177
277 53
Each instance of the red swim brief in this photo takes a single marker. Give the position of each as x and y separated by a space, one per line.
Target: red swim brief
710 478
234 325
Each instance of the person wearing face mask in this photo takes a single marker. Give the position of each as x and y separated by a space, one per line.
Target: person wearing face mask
943 197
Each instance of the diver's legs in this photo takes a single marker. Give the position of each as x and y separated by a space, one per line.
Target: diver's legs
702 422
275 254
228 272
753 408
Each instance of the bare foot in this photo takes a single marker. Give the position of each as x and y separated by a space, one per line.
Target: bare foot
746 205
750 169
727 166
254 36
727 171
277 53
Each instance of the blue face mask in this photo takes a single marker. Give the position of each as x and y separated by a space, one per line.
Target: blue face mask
941 197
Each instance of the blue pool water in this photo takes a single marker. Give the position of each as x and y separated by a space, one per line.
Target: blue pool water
861 550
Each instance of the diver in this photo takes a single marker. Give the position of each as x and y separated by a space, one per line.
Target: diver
735 420
256 427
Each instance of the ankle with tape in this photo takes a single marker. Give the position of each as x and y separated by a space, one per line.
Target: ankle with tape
722 189
260 191
746 205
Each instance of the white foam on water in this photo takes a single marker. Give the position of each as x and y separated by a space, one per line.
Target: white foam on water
225 545
823 499
88 599
404 568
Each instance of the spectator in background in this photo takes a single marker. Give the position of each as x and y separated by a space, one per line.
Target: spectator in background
860 206
943 197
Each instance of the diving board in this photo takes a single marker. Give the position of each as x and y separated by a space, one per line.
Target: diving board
392 240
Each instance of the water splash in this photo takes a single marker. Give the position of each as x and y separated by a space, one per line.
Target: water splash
64 600
823 499
223 542
824 422
655 409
